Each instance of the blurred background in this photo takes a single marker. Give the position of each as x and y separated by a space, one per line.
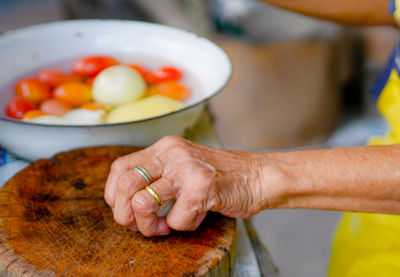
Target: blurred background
297 82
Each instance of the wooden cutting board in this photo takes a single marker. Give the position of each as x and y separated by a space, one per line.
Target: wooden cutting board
54 221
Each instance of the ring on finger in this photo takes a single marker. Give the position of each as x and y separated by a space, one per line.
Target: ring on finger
155 195
146 175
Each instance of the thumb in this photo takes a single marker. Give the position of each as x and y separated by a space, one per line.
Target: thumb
183 215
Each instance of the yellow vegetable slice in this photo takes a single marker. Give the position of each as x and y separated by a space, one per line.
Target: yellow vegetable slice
144 108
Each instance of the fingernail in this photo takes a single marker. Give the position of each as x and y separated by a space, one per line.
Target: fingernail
199 219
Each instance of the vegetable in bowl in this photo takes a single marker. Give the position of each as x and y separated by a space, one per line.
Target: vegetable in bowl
145 47
98 90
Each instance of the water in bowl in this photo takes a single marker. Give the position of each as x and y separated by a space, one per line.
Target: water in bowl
151 63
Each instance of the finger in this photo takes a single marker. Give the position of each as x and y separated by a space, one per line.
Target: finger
185 214
128 184
146 207
199 219
122 165
136 159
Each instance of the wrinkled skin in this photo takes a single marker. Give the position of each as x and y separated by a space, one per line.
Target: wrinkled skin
238 184
200 178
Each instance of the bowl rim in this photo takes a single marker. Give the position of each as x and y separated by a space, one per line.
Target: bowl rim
124 21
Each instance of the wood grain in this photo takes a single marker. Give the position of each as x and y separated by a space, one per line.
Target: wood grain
54 221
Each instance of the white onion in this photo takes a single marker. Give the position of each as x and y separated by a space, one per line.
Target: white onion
117 85
83 117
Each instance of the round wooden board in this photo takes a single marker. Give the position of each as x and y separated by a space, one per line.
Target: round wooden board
54 221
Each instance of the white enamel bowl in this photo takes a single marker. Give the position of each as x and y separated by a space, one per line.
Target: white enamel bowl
207 68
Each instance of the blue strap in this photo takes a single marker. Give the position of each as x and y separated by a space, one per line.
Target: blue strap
3 157
392 6
381 81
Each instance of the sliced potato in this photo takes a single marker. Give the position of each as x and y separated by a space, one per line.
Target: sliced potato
145 108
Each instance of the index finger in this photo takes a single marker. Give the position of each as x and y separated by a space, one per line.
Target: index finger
128 184
121 166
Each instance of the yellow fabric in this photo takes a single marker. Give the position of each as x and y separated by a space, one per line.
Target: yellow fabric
396 13
368 245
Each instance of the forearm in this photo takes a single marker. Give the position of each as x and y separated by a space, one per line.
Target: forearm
353 12
365 179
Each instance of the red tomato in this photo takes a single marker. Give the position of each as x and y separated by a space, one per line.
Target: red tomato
55 107
17 107
89 82
54 77
73 93
163 74
32 89
140 69
170 89
33 114
93 65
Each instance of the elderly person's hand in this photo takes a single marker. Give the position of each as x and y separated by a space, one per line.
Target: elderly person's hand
239 184
200 178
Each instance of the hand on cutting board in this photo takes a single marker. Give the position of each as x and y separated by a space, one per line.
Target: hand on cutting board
200 178
238 184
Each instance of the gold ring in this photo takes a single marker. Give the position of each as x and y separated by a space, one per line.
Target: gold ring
155 195
146 175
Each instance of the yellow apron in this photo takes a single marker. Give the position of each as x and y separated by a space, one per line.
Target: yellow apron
368 245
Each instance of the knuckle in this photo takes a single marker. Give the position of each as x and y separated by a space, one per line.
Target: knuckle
118 164
182 151
124 183
204 179
139 203
170 141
